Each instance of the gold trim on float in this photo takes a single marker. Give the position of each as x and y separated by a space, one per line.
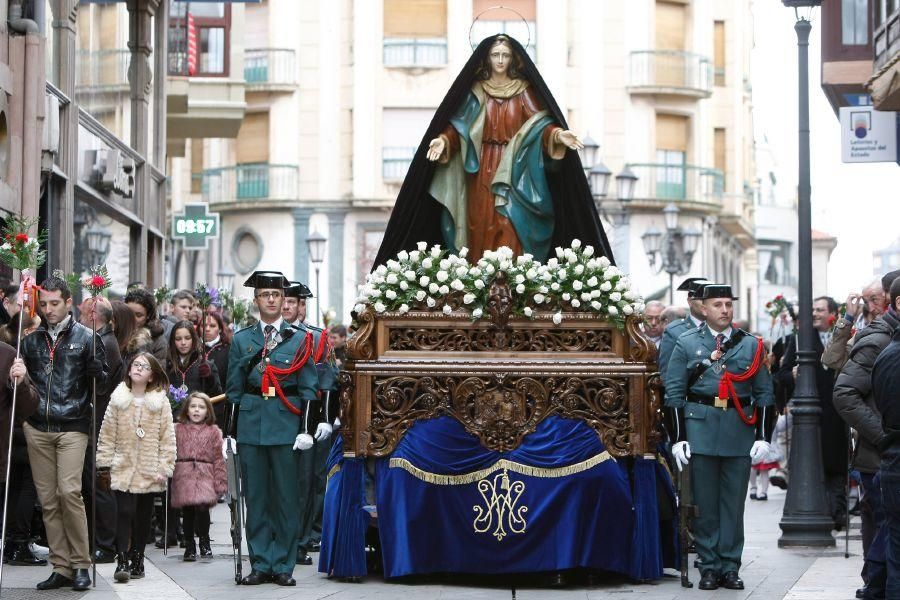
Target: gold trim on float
467 478
334 471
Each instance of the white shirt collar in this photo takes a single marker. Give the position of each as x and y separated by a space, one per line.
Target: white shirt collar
726 333
297 323
276 324
697 322
54 330
213 342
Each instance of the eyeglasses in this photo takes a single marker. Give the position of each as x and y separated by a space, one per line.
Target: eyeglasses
141 366
268 295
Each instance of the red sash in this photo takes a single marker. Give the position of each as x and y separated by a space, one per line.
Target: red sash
273 375
726 384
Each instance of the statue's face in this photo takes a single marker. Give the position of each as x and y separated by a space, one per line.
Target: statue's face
501 55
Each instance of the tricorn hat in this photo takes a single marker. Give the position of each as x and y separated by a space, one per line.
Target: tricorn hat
717 290
273 280
295 289
693 286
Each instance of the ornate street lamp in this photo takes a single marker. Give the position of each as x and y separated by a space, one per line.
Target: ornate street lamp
598 178
672 251
316 243
805 520
625 184
588 154
97 239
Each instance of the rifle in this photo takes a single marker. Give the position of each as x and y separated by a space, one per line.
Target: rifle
235 505
686 511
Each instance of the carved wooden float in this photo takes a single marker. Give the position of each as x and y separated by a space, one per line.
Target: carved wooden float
499 377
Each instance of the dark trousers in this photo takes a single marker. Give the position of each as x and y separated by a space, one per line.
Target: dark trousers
719 485
105 510
871 514
22 498
836 492
889 478
312 492
195 520
133 520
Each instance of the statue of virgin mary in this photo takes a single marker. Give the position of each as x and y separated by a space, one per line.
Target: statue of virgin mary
496 167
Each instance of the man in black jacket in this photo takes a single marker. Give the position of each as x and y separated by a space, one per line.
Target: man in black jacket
854 400
886 389
60 361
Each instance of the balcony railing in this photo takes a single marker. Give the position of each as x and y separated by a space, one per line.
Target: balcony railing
102 70
401 52
258 181
886 39
670 72
395 162
677 183
270 67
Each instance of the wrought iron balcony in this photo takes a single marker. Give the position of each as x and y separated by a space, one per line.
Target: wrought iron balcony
664 183
250 182
270 69
670 73
424 52
395 162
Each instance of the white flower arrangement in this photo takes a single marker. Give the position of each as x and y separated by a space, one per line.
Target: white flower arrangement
435 278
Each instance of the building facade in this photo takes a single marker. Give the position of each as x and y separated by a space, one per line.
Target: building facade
339 95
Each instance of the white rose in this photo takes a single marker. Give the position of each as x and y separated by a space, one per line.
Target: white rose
528 311
567 254
576 243
404 308
629 295
433 288
577 285
506 264
479 284
430 302
423 280
477 313
490 270
403 255
468 298
612 310
557 318
435 251
391 279
520 278
444 290
415 255
562 274
422 246
559 252
566 296
554 286
588 250
410 274
596 305
553 263
547 276
543 289
447 310
390 295
615 296
427 263
579 269
585 296
606 286
520 289
393 265
608 275
375 294
463 252
575 303
442 276
621 284
475 272
531 274
457 285
379 307
627 309
359 308
404 286
420 295
592 282
444 264
604 262
595 293
461 271
572 259
381 270
538 298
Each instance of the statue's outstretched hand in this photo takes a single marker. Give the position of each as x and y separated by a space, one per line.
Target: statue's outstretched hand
570 140
435 149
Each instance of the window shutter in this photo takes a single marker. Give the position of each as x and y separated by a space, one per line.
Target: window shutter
671 132
253 139
670 25
415 18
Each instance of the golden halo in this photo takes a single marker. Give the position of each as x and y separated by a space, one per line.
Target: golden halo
499 7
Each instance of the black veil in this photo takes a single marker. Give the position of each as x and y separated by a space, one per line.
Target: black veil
417 216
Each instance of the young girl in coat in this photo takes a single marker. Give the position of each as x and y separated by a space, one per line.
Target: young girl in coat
136 456
200 476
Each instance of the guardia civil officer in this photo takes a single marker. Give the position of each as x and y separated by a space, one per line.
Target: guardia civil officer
719 388
272 385
311 472
694 319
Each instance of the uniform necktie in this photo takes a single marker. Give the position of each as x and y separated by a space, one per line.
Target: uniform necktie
719 340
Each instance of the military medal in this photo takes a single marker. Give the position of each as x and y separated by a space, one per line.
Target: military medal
261 367
140 432
716 354
183 388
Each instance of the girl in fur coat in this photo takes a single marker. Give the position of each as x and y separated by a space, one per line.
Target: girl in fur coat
136 456
200 476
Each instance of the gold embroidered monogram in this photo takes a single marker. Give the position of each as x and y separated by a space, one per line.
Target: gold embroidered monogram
501 510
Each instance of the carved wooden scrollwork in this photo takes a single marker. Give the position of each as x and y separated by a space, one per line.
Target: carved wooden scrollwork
500 302
499 409
361 346
654 409
516 340
641 349
347 392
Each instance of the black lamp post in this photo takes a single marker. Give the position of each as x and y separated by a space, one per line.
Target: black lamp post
316 243
805 520
671 251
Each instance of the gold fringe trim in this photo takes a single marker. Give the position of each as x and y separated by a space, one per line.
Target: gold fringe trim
334 471
467 478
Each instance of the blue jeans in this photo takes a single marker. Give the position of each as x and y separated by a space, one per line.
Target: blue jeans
889 477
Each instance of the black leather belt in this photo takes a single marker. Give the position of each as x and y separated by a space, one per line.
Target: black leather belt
288 391
193 460
708 401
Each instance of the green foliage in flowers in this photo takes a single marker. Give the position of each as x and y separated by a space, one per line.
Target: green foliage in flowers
97 280
238 308
19 250
72 280
574 280
162 295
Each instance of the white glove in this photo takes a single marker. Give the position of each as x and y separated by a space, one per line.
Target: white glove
304 441
228 441
323 432
681 452
759 451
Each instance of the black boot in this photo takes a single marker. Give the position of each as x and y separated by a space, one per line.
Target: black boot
20 555
205 549
190 550
122 574
81 580
137 564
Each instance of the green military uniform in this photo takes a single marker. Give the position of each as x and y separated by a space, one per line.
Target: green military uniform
719 440
266 433
693 286
312 462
